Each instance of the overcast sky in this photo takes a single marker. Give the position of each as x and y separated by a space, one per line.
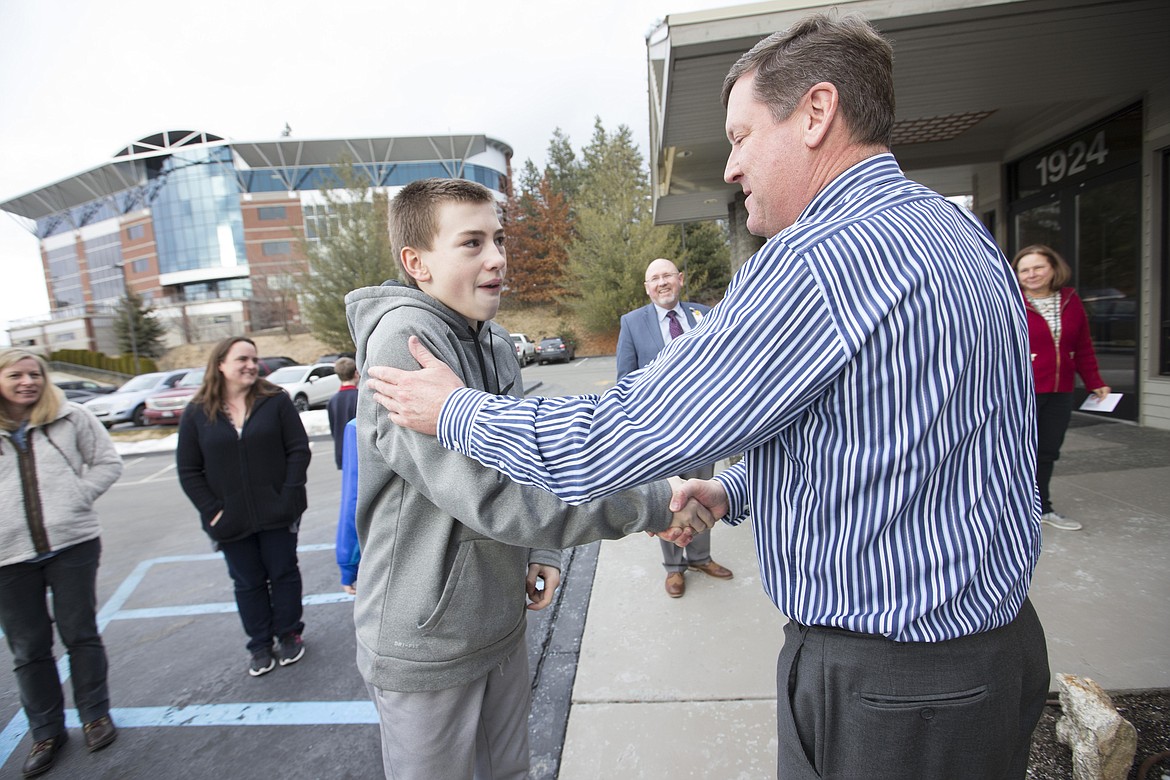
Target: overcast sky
80 80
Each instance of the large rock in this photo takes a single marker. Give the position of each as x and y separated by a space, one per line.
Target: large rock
1103 743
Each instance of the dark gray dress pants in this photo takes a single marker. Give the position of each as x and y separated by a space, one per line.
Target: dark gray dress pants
861 706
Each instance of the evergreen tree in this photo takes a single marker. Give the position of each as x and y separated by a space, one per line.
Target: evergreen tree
705 259
616 237
562 169
137 329
353 251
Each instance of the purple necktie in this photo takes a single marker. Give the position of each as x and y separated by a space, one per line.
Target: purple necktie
675 326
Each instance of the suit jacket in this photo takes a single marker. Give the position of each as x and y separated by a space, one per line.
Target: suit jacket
639 342
640 338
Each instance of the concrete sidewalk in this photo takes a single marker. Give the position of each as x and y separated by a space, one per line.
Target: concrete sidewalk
686 687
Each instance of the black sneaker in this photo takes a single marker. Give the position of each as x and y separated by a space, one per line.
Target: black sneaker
263 662
291 649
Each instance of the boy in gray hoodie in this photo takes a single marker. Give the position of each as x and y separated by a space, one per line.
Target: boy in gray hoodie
446 558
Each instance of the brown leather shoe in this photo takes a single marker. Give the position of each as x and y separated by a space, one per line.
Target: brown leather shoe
99 733
43 754
712 569
676 584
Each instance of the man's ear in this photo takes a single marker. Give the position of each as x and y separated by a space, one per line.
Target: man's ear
412 262
819 110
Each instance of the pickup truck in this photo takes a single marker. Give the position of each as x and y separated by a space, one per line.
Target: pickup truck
525 349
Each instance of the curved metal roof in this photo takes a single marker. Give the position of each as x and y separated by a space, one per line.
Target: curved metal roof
128 168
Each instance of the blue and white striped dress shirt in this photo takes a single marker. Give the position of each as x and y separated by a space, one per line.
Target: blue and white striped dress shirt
871 361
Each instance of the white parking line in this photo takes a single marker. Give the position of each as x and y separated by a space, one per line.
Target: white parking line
151 478
296 713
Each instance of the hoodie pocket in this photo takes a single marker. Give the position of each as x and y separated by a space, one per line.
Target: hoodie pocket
232 522
483 599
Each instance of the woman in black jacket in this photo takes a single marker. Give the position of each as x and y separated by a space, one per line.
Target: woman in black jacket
243 458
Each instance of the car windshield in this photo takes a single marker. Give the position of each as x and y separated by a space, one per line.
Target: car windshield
550 343
193 378
287 375
143 382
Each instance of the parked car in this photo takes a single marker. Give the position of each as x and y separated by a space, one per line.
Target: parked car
128 403
86 385
270 364
525 349
166 406
333 357
308 386
557 349
79 396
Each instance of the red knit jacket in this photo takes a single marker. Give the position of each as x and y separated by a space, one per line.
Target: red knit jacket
1053 369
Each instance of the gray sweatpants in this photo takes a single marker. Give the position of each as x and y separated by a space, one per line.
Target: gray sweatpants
478 730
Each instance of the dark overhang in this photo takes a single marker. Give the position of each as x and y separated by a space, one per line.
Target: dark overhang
974 80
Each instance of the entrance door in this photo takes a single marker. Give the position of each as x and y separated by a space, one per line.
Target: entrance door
1095 225
1082 197
1108 259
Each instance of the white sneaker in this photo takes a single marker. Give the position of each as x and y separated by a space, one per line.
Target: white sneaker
1060 521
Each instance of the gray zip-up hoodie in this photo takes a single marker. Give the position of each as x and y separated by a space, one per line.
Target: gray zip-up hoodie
48 490
444 540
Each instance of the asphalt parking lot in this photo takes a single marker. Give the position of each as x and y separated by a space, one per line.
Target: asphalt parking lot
184 703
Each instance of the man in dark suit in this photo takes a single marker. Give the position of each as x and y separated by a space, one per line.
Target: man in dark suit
644 333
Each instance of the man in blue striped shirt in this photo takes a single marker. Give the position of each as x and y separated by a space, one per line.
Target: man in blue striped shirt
871 360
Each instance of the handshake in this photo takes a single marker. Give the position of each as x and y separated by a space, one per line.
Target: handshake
695 505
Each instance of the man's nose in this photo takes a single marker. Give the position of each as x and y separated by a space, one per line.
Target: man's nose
731 172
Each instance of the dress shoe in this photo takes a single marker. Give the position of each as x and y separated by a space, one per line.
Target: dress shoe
99 733
712 569
43 754
676 584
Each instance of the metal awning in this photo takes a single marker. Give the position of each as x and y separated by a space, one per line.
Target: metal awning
128 168
977 81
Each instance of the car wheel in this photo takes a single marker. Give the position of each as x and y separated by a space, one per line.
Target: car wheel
139 416
301 402
107 425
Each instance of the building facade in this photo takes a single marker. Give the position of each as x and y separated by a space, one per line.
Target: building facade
209 231
1051 117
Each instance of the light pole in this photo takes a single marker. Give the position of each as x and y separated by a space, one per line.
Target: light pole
131 316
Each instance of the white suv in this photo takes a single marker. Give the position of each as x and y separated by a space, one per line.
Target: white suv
308 386
525 349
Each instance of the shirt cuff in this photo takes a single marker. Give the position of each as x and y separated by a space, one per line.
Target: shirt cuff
734 481
457 418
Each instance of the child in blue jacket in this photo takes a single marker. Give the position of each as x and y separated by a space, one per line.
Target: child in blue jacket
348 552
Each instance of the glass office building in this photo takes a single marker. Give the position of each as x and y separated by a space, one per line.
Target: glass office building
209 230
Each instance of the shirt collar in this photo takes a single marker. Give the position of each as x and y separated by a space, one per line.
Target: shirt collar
872 170
663 312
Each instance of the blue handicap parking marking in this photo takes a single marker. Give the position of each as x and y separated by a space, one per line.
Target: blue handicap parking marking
287 713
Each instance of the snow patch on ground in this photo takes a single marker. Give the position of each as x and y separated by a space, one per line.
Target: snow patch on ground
316 423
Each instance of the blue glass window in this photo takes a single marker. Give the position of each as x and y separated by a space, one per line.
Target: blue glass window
197 219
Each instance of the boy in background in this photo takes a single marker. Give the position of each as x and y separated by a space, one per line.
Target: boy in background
440 612
343 405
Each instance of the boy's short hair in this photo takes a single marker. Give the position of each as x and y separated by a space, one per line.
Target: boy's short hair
414 210
346 369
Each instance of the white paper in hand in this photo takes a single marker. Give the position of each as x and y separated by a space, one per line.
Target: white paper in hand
1091 403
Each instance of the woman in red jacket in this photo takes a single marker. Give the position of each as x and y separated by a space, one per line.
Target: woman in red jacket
1058 338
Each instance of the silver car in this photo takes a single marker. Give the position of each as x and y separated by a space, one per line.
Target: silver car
128 402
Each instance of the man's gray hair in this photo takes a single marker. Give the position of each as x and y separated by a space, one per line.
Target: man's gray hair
848 53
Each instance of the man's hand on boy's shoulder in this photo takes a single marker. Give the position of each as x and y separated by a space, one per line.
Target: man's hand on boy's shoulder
414 398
